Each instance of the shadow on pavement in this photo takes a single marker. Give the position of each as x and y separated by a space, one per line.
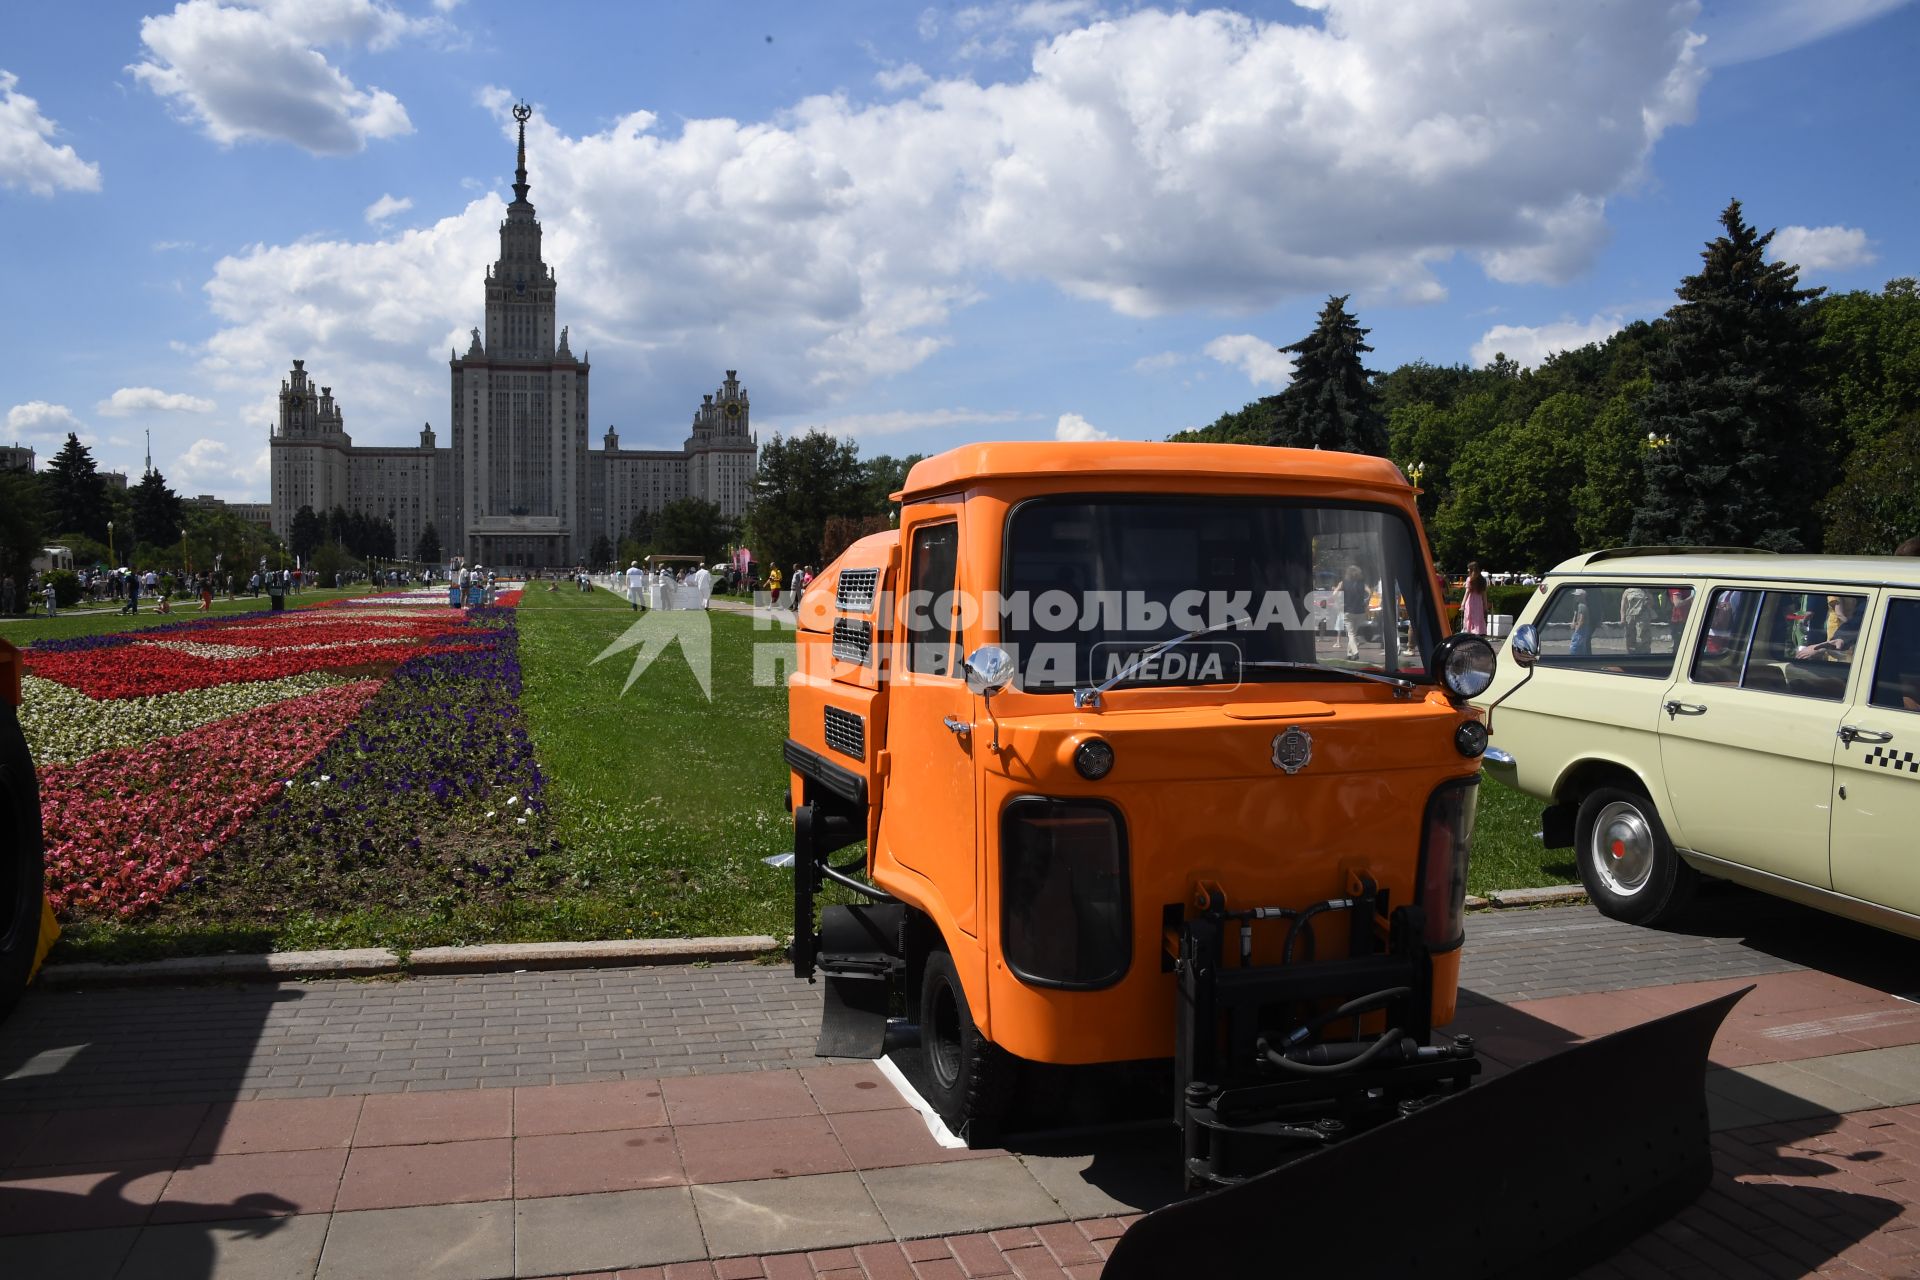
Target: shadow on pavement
1805 936
103 1094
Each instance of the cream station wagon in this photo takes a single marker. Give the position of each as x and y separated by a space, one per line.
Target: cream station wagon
1744 715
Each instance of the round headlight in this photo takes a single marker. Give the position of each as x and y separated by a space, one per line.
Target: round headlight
1093 759
1465 662
1470 739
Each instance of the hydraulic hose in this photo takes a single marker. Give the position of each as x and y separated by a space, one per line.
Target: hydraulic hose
1357 1005
1392 1036
1305 921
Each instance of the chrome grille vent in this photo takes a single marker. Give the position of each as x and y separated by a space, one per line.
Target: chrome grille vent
855 593
852 640
846 733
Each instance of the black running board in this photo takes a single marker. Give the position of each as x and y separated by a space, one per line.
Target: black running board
1536 1174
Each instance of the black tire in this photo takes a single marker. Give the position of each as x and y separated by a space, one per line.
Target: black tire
22 861
969 1079
1626 861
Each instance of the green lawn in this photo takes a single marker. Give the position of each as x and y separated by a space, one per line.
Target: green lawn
664 804
93 620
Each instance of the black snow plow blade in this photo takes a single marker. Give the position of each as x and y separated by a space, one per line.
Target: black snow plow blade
1539 1173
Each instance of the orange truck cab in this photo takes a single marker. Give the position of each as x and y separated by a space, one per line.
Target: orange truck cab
1126 793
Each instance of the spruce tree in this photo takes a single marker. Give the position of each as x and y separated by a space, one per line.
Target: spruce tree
157 513
76 493
1739 451
428 548
1331 402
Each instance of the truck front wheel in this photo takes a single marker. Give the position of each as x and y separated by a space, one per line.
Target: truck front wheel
969 1079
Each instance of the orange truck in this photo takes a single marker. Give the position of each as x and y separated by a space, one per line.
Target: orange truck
1123 795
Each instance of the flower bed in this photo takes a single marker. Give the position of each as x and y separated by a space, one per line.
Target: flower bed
306 759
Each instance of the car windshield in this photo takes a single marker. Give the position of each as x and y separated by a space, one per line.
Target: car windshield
1282 589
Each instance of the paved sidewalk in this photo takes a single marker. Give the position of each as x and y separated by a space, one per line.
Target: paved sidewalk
672 1122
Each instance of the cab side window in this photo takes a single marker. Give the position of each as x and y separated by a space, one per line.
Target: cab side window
932 610
1896 672
1618 628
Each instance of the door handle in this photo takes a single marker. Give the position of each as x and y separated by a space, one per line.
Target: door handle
1684 709
959 727
1850 735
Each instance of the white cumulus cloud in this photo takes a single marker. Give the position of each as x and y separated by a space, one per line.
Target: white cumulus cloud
900 421
1822 248
131 400
1149 163
1530 345
28 157
1074 427
37 421
1263 363
211 466
254 72
386 207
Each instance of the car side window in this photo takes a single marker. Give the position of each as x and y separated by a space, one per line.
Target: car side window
1896 670
932 610
1720 655
1794 642
1618 628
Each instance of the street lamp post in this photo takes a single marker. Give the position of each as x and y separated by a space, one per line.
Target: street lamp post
111 553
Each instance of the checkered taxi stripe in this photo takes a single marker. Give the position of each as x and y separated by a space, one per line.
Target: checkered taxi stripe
1898 761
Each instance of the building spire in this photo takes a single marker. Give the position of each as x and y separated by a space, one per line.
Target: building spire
521 112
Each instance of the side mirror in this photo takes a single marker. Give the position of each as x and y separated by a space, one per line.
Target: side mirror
989 670
1524 646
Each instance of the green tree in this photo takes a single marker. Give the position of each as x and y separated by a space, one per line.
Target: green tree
1510 487
1613 455
1331 402
1870 358
883 475
1254 424
427 549
22 532
306 534
1744 455
76 492
692 526
157 512
600 555
1876 505
801 481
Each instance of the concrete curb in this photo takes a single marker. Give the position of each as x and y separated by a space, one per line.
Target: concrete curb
376 962
1548 895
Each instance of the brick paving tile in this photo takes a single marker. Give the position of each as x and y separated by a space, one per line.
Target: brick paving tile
585 1108
978 1255
938 1269
760 1096
832 1259
106 1135
688 1271
925 1250
565 1164
1066 1243
407 1119
259 1184
1033 1263
297 1124
739 1269
35 1200
789 1266
841 1273
885 1261
743 1150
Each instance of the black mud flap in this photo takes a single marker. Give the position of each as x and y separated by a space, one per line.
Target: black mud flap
1536 1174
860 949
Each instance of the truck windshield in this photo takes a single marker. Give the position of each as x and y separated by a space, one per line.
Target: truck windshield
1094 582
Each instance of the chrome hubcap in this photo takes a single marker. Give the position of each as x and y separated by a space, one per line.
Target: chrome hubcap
1622 848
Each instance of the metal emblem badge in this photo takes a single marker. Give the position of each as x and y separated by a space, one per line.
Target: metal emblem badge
1292 749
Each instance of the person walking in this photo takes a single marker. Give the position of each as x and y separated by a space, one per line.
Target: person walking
1473 603
636 584
1355 596
773 584
206 593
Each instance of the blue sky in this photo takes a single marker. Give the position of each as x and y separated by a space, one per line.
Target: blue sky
915 225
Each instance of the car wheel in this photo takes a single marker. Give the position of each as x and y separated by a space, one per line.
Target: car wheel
969 1079
22 862
1627 862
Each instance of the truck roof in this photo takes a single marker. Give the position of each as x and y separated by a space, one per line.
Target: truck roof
998 460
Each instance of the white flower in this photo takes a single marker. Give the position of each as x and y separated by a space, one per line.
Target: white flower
326 777
491 814
522 820
512 800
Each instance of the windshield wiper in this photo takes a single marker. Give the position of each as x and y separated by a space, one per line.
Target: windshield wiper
1274 664
1089 695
